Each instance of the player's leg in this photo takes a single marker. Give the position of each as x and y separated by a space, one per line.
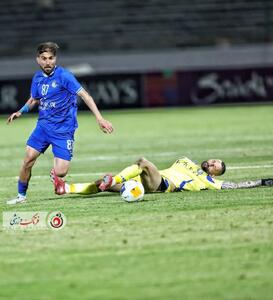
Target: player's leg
109 181
88 188
61 167
150 176
36 144
82 188
29 160
116 188
25 171
62 148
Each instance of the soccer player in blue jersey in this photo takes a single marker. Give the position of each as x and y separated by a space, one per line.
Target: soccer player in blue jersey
55 90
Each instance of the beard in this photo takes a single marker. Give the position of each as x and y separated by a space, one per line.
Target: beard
48 70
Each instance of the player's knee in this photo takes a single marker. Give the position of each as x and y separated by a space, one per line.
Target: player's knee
149 186
146 166
142 162
61 171
29 161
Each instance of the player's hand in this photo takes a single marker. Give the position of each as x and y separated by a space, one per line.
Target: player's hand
13 116
267 182
105 126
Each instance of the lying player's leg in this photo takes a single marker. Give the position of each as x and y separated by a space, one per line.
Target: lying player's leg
116 188
150 176
89 188
113 183
82 188
130 172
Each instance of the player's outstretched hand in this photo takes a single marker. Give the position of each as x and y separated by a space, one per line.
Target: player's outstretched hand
105 126
267 182
13 116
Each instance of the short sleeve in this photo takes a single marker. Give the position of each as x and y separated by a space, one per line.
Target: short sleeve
214 184
70 83
34 89
218 184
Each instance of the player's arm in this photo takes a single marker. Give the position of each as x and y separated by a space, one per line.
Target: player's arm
105 125
247 184
31 102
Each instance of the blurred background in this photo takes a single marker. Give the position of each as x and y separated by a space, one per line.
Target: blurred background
144 53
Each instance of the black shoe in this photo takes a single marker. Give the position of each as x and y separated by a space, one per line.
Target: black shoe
267 182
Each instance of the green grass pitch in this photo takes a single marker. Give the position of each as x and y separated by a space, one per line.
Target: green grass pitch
206 245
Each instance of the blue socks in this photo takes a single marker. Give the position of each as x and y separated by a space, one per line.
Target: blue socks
22 187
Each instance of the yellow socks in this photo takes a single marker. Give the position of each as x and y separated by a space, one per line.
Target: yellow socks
91 188
81 188
127 173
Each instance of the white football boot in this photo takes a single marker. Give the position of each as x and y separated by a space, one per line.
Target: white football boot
18 199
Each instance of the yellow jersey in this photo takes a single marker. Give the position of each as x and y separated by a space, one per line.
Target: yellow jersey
185 175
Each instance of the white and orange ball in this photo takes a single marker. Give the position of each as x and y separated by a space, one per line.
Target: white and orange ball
132 191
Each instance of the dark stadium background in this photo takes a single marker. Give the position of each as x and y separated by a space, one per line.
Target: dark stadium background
143 53
202 62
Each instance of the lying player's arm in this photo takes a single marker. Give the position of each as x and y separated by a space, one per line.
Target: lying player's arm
31 102
247 184
105 125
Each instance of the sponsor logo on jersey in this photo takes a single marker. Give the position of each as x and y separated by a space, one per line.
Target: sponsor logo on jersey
54 84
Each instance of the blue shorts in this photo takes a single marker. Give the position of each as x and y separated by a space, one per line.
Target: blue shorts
62 143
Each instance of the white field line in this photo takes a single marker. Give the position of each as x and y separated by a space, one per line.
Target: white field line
100 173
249 167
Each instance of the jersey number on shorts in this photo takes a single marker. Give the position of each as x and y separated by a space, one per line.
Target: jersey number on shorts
69 144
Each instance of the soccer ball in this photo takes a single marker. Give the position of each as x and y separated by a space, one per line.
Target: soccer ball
132 191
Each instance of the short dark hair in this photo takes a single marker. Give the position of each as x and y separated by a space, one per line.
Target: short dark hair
47 47
223 168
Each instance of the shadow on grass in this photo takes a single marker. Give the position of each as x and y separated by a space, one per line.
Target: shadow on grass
78 196
99 196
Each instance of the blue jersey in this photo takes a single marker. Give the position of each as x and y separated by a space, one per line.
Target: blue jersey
57 95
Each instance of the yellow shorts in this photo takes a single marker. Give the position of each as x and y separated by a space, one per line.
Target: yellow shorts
166 181
168 184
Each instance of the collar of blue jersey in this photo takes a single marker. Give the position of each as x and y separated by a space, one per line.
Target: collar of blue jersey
45 75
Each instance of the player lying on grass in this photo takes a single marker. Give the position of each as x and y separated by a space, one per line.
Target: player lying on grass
183 175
